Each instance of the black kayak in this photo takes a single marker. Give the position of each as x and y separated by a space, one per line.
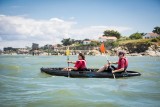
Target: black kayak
88 73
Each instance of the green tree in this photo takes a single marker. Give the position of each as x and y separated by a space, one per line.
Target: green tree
143 34
112 33
94 43
86 39
59 45
136 36
156 30
111 44
67 41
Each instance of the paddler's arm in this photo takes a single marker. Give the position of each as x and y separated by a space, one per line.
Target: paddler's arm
118 70
71 62
113 62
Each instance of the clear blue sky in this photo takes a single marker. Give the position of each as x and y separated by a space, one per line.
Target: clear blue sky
132 15
141 15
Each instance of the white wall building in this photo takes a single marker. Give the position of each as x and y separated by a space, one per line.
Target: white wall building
86 42
107 38
150 35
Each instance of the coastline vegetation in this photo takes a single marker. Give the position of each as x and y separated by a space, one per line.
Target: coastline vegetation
134 43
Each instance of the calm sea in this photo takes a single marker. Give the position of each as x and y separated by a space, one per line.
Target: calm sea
23 85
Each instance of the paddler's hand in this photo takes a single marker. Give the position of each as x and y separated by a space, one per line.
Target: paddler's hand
69 61
113 71
109 62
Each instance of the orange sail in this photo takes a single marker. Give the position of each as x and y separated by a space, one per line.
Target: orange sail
102 48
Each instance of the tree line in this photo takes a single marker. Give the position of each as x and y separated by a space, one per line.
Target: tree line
136 35
140 35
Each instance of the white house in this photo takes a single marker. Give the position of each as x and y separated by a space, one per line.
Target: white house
86 42
107 38
150 35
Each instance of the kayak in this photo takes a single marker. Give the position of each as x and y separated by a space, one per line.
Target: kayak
88 73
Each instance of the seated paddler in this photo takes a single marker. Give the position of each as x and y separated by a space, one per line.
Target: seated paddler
79 65
122 64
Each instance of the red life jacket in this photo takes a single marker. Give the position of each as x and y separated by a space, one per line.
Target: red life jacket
125 63
80 64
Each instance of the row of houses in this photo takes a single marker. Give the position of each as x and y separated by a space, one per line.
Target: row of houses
8 50
101 39
112 39
85 42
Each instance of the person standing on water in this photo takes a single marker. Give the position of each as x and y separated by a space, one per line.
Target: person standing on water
80 64
122 64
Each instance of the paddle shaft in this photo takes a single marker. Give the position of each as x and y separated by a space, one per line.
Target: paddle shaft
102 48
68 64
114 76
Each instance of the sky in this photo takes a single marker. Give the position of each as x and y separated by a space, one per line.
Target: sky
23 22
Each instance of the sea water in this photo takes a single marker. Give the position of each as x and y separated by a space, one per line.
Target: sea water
23 85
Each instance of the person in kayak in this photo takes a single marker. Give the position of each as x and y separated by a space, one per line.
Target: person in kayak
122 64
80 64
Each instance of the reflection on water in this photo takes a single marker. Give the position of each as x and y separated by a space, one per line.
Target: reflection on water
22 84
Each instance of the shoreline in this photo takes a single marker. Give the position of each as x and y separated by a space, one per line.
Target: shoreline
151 54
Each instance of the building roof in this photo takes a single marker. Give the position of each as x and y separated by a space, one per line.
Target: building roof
152 34
107 37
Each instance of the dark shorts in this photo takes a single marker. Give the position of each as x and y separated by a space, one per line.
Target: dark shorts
111 68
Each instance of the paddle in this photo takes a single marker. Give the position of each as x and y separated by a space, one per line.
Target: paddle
67 53
68 65
103 50
68 62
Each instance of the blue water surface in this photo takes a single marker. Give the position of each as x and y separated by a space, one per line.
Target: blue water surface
23 85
